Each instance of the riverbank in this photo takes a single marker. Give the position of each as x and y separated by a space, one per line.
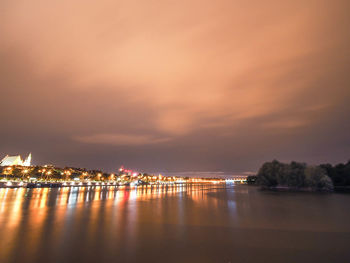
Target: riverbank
337 189
295 189
47 184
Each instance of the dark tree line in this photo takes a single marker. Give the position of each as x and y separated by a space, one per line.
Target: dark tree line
293 175
340 173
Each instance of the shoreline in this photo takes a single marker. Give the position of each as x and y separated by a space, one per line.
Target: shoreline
336 189
47 184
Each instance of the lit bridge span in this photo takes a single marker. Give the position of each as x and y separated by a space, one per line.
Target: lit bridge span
237 179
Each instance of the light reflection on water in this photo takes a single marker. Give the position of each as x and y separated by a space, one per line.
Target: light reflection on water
187 223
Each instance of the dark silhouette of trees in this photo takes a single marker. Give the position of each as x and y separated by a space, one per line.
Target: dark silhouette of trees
340 173
294 175
316 177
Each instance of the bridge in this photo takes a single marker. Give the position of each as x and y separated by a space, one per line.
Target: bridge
237 179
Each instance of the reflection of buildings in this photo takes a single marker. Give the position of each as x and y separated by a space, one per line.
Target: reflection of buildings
16 160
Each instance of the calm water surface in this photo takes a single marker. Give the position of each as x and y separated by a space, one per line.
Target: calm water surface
190 223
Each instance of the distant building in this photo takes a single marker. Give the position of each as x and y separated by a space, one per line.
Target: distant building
16 160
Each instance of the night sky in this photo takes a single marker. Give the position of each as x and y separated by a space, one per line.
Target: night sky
175 86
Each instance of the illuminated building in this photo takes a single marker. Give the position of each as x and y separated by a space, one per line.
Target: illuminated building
16 160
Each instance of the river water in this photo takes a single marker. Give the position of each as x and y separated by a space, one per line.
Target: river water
189 223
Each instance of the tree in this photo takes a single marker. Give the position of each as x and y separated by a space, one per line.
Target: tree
340 173
35 172
296 176
17 172
317 178
270 173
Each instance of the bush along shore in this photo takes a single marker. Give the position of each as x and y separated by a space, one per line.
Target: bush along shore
297 176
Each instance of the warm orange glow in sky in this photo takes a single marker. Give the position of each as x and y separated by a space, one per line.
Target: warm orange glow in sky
175 85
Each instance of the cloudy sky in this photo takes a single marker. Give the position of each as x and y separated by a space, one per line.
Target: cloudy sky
174 86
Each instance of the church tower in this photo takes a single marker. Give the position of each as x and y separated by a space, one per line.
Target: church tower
28 160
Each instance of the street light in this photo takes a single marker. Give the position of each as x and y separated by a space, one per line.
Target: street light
24 172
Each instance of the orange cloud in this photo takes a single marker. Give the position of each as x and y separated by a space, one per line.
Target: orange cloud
120 139
132 72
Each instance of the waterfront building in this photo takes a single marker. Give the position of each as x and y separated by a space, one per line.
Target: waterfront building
16 160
